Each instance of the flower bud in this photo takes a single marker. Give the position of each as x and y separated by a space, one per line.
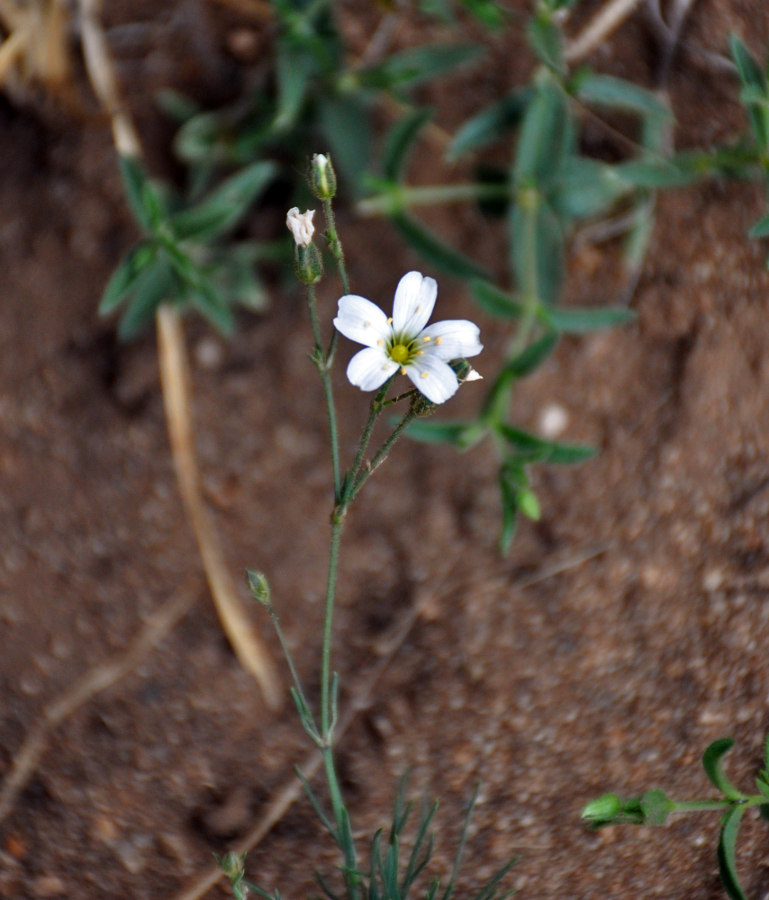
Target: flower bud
604 809
322 177
309 264
260 589
300 225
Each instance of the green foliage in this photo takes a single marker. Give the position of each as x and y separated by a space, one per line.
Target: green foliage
393 873
654 807
178 260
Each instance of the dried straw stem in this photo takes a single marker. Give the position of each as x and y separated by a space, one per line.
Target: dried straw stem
251 652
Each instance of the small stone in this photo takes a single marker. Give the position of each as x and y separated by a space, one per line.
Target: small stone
48 886
712 580
553 420
209 354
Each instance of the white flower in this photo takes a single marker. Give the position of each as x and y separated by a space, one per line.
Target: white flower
403 342
300 225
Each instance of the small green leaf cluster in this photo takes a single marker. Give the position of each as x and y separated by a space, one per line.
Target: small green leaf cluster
397 861
311 96
178 259
654 807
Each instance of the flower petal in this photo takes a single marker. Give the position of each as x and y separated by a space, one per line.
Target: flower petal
453 339
413 304
433 378
370 368
361 320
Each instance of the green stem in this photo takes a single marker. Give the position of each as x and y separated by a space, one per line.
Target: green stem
323 363
498 397
352 476
704 805
307 711
343 829
325 677
529 201
398 198
381 454
335 244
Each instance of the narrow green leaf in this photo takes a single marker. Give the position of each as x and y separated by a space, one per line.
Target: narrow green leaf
400 140
212 307
538 251
639 235
616 93
295 68
225 205
537 449
491 124
461 845
586 188
495 301
547 136
711 763
319 812
134 180
488 12
752 76
727 853
582 321
458 434
417 64
346 124
126 276
157 285
546 40
532 357
654 174
435 251
489 890
750 71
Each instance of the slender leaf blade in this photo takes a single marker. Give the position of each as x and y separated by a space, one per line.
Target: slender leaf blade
711 763
727 853
436 251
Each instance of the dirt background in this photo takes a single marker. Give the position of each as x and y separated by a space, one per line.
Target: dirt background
624 632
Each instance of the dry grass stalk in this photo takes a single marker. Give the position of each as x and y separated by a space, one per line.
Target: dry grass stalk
249 649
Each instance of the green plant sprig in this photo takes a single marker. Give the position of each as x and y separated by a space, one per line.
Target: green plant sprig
654 807
390 875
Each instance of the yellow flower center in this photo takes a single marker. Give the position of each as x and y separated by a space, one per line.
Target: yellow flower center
399 353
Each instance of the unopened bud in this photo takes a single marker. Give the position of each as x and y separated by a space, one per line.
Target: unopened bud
260 589
300 225
603 809
322 177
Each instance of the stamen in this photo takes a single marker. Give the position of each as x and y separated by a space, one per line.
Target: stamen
420 352
439 340
367 324
389 320
403 370
380 343
424 374
427 339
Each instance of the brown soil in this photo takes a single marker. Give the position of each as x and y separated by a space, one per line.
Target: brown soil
624 633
